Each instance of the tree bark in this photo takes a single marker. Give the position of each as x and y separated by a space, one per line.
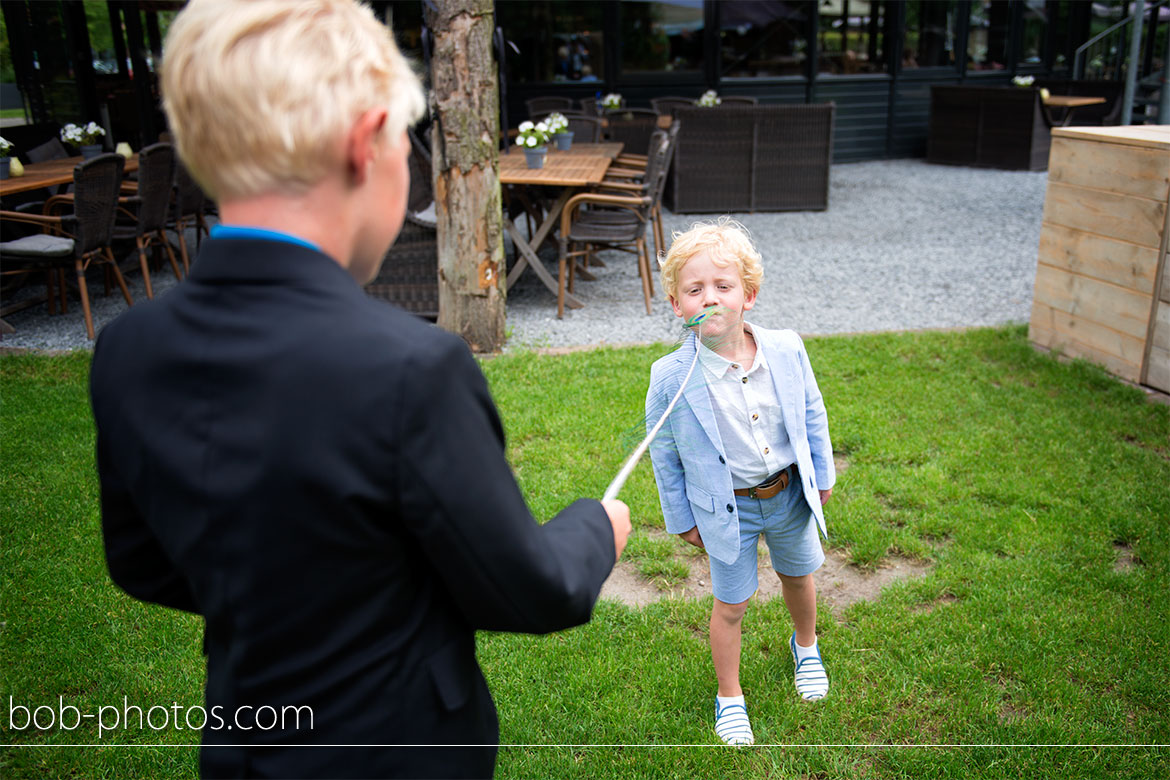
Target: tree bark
465 153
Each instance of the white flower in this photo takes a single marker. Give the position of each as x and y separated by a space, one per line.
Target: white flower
531 141
542 127
612 100
526 126
709 98
556 122
1023 81
77 136
5 147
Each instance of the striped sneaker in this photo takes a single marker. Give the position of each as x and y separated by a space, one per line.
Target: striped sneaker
732 725
812 682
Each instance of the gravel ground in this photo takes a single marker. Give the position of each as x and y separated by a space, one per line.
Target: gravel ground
904 245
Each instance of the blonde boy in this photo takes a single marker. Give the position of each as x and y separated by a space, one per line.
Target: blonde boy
746 452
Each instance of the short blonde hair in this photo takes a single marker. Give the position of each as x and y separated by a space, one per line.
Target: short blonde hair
727 241
259 93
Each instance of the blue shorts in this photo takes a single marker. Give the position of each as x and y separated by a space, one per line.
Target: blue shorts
790 530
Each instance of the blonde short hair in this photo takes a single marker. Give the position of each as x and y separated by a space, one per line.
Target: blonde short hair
727 241
259 93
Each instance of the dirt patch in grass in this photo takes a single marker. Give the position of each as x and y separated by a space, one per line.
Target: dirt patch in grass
1125 558
839 583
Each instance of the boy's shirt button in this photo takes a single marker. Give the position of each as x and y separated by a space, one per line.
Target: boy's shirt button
745 380
721 460
730 508
755 417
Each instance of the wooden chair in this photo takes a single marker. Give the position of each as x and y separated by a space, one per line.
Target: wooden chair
83 236
633 180
595 219
409 276
145 213
545 105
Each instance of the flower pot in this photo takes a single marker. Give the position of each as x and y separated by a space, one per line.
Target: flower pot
535 157
564 140
89 151
4 161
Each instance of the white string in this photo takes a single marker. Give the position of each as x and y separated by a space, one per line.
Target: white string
628 467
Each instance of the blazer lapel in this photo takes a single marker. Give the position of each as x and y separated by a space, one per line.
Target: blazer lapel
696 394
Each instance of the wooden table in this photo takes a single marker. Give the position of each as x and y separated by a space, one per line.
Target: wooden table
49 174
1070 103
568 171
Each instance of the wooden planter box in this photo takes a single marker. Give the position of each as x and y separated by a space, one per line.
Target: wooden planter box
988 127
1102 283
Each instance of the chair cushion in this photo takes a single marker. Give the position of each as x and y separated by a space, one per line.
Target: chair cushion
39 245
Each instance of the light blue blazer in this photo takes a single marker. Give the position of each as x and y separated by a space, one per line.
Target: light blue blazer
694 480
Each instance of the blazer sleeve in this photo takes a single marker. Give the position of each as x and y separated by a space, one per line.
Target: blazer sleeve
460 499
664 457
136 561
817 426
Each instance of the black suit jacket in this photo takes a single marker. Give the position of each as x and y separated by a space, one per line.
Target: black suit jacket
322 477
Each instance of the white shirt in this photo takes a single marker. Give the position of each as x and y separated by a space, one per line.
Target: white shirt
749 416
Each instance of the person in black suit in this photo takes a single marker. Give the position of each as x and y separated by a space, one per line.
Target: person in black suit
318 474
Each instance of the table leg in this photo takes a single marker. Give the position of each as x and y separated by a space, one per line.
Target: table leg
527 255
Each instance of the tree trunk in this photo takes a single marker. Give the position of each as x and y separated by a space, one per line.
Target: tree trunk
465 149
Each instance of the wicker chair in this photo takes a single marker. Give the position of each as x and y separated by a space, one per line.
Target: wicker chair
146 212
753 158
632 127
85 234
409 276
612 221
988 127
189 205
667 105
545 105
738 100
585 129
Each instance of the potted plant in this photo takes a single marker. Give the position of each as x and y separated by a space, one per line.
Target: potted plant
532 138
558 128
709 99
612 101
5 148
87 138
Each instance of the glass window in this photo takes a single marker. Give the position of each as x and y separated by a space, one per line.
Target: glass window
930 34
762 38
1035 29
558 41
988 37
851 36
661 37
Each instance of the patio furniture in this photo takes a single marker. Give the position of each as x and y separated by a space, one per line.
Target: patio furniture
988 127
1106 113
632 127
614 222
146 212
752 158
85 234
189 205
585 129
409 276
634 181
545 105
738 100
666 105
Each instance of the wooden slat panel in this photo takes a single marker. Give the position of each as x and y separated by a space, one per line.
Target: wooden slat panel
1122 169
1124 217
1165 294
1161 337
1122 347
1127 265
1103 303
1058 341
1158 373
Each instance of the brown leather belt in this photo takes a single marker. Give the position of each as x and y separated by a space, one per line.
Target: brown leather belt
768 488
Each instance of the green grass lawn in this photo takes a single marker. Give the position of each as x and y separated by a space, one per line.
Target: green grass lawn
1038 490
